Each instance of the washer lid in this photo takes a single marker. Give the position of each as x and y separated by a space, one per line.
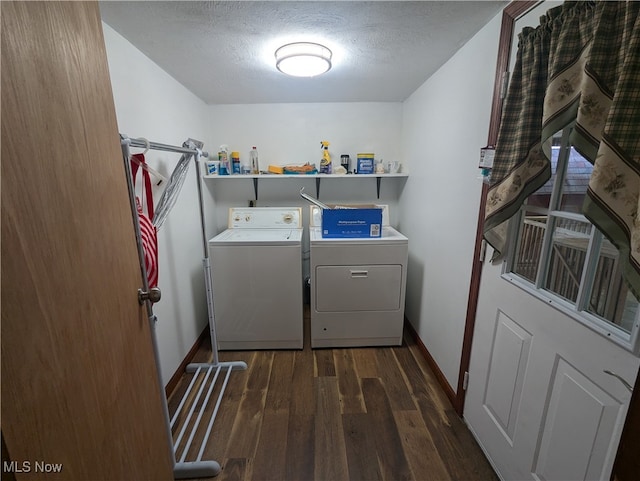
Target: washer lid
258 237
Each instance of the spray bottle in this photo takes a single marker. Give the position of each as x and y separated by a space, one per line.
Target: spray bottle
325 163
223 157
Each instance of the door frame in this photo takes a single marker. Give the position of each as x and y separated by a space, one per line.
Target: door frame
510 14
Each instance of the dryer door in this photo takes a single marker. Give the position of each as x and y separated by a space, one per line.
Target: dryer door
358 288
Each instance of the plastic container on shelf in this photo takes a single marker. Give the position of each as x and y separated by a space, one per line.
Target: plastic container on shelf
223 157
365 163
345 161
255 164
325 162
245 165
235 162
213 167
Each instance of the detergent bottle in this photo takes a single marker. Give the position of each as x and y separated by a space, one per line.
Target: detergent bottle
325 162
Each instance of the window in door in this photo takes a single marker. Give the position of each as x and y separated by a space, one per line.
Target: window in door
558 255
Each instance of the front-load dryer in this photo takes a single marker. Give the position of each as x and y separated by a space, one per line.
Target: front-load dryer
256 277
357 288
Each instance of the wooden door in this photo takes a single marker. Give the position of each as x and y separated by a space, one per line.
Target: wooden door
80 392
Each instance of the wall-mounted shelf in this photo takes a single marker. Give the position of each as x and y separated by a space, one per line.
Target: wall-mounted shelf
317 177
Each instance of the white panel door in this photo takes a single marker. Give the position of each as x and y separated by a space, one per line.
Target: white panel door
538 399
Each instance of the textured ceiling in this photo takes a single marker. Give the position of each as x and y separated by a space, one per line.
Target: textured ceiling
223 51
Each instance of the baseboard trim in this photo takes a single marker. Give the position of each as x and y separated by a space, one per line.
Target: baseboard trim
175 379
440 377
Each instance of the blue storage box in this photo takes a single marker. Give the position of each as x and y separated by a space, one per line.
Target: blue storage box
352 223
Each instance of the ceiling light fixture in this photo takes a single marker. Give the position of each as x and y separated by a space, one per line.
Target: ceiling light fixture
303 59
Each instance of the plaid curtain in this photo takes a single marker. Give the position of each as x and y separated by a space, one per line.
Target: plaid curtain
582 63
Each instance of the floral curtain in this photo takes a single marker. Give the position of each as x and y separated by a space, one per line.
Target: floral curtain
582 64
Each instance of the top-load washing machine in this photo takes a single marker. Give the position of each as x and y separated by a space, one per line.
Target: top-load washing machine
357 287
256 274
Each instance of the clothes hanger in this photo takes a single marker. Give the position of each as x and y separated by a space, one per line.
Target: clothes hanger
161 178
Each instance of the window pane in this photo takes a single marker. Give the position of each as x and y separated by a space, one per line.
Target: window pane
552 242
610 298
529 245
567 257
576 181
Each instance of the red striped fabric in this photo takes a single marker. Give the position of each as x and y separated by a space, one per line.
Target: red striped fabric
149 244
148 233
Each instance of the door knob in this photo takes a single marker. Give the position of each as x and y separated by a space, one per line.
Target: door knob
153 295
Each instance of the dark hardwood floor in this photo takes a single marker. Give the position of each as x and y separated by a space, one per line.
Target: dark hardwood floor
334 414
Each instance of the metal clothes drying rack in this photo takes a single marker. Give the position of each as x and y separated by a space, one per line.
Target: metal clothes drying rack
182 468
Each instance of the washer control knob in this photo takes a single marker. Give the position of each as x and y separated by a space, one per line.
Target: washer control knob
287 218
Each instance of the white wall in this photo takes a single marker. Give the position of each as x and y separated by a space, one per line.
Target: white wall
445 123
151 104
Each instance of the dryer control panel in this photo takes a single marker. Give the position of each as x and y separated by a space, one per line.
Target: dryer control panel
265 217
